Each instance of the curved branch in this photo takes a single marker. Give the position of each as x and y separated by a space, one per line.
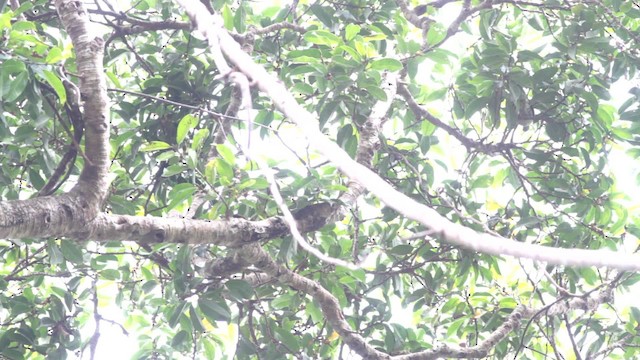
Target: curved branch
468 143
511 323
442 227
255 255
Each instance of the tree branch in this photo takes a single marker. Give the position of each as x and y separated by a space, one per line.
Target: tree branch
442 227
255 255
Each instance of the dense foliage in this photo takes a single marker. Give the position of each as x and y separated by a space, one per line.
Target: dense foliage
508 119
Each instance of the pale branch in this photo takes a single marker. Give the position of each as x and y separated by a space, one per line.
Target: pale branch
474 352
465 12
241 82
254 254
248 38
224 129
229 265
413 16
93 182
565 5
329 305
233 232
369 140
280 26
561 290
234 266
439 3
625 342
367 145
256 279
32 218
444 228
295 232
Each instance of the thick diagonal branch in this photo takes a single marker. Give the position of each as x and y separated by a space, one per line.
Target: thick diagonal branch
441 227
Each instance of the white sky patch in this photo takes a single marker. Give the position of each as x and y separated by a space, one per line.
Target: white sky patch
113 343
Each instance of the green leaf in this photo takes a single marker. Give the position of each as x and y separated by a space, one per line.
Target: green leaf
605 112
474 106
239 19
227 17
180 193
437 94
314 312
187 123
302 88
482 182
351 31
307 54
402 250
155 145
199 137
455 326
5 20
508 303
376 92
148 286
631 115
55 254
210 349
282 302
346 139
240 289
322 37
589 275
386 64
556 131
110 274
54 55
527 56
213 310
71 251
177 313
195 320
322 13
601 92
17 86
224 170
59 353
635 314
13 66
56 84
288 339
440 56
179 339
437 32
544 75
